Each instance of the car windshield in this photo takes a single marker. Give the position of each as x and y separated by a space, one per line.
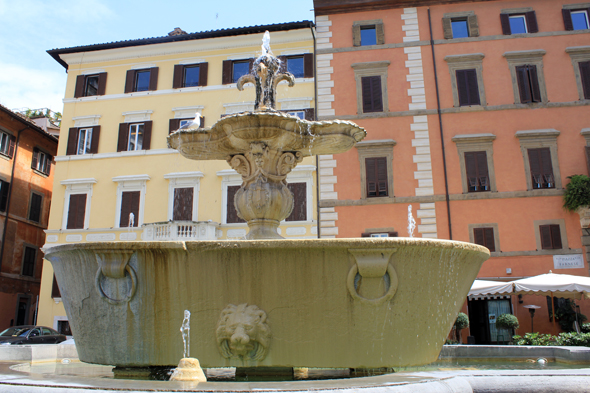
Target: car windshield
15 331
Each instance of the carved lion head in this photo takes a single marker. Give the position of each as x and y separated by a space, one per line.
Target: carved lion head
242 332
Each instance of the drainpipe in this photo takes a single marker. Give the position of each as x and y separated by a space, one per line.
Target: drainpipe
442 139
315 117
10 194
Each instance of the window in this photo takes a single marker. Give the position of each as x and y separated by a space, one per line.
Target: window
83 140
376 159
580 57
550 237
301 66
41 161
190 75
295 66
183 204
234 69
541 168
575 16
141 80
467 79
175 124
129 206
4 187
35 207
7 143
135 136
476 162
55 292
484 237
379 232
541 165
371 86
368 32
91 85
299 191
76 211
460 25
232 213
528 80
518 21
28 266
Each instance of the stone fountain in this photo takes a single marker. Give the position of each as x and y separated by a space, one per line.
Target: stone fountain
265 301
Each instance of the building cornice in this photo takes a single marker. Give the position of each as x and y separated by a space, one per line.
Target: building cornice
327 7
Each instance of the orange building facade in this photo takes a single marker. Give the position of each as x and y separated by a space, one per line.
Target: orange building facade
476 113
26 181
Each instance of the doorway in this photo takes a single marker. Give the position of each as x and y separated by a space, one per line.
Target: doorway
482 320
23 303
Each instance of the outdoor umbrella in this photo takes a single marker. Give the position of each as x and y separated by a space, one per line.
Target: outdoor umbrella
550 284
486 288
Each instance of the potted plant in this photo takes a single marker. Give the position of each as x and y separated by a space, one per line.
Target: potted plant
461 323
577 198
507 321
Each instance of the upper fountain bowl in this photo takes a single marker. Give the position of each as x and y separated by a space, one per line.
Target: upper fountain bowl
233 135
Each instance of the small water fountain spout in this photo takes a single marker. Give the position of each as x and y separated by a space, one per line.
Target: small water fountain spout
185 330
189 369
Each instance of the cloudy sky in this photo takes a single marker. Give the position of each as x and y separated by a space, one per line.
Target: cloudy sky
30 78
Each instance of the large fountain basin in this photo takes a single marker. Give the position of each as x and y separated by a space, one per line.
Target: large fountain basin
361 303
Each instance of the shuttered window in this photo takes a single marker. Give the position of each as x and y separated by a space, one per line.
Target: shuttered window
232 214
467 88
41 161
28 268
183 204
134 136
83 140
550 237
35 207
476 166
4 187
541 168
234 69
528 83
129 204
76 211
190 75
175 124
7 143
484 237
372 94
519 23
376 168
299 212
141 80
90 85
576 19
459 27
367 33
585 78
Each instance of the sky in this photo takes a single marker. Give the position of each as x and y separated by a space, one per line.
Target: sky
30 78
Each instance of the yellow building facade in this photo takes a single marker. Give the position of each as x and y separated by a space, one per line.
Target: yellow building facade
116 179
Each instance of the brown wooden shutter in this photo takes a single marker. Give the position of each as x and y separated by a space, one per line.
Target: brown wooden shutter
376 176
102 84
80 83
147 135
534 81
531 22
154 78
35 158
71 149
202 125
55 292
366 234
76 211
11 145
471 171
585 76
447 28
473 26
478 236
129 80
535 165
308 65
123 137
95 139
545 231
482 170
524 88
505 21
35 209
356 35
382 176
226 76
555 237
178 76
371 177
174 125
489 239
129 204
203 72
587 149
232 214
371 92
309 114
380 33
467 88
183 204
299 191
251 65
283 66
567 19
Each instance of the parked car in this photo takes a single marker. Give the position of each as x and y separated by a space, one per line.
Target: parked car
29 334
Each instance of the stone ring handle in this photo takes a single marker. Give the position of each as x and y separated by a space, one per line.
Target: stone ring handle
115 266
387 296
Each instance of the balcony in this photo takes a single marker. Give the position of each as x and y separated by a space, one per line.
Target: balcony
180 230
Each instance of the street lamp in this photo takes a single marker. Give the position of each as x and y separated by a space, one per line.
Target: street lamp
532 309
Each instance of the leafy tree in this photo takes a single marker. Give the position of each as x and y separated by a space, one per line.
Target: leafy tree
577 192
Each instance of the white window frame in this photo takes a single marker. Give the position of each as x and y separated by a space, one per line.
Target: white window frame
4 143
585 14
77 187
87 138
184 180
137 147
523 17
131 183
46 166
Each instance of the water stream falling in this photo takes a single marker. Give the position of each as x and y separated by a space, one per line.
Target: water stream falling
185 330
131 220
411 222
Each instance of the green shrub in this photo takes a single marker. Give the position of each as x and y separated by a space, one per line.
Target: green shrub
585 328
534 339
577 192
507 321
574 339
462 321
566 316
